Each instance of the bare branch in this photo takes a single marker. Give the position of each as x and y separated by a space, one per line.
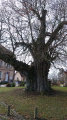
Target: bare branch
54 34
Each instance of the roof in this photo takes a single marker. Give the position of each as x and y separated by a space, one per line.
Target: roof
65 72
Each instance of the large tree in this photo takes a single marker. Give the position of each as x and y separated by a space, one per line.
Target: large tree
37 28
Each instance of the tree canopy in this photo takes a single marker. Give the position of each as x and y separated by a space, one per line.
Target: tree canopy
36 28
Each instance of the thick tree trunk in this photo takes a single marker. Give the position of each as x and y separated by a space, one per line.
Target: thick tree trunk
38 77
42 76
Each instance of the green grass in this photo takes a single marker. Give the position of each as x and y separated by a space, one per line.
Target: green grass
50 107
5 89
63 89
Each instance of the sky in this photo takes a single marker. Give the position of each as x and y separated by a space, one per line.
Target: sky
53 73
0 1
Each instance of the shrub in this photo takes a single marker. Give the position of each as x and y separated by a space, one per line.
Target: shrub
22 83
8 85
12 84
3 82
54 82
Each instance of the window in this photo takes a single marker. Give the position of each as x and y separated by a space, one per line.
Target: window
10 77
8 66
0 74
1 63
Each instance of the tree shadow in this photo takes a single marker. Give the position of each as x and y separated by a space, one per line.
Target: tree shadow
61 93
58 93
41 118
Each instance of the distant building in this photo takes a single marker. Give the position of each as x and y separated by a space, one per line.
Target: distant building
65 78
62 76
19 77
6 71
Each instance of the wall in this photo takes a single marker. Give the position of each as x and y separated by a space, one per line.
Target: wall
5 68
17 76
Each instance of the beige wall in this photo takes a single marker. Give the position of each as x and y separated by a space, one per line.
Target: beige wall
19 77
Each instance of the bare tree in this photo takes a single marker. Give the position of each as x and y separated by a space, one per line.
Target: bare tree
38 28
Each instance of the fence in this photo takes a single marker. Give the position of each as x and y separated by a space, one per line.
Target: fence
11 113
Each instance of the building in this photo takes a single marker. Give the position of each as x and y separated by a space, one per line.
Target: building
19 77
62 77
65 78
6 71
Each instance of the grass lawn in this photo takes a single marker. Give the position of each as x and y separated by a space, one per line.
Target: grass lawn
50 107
